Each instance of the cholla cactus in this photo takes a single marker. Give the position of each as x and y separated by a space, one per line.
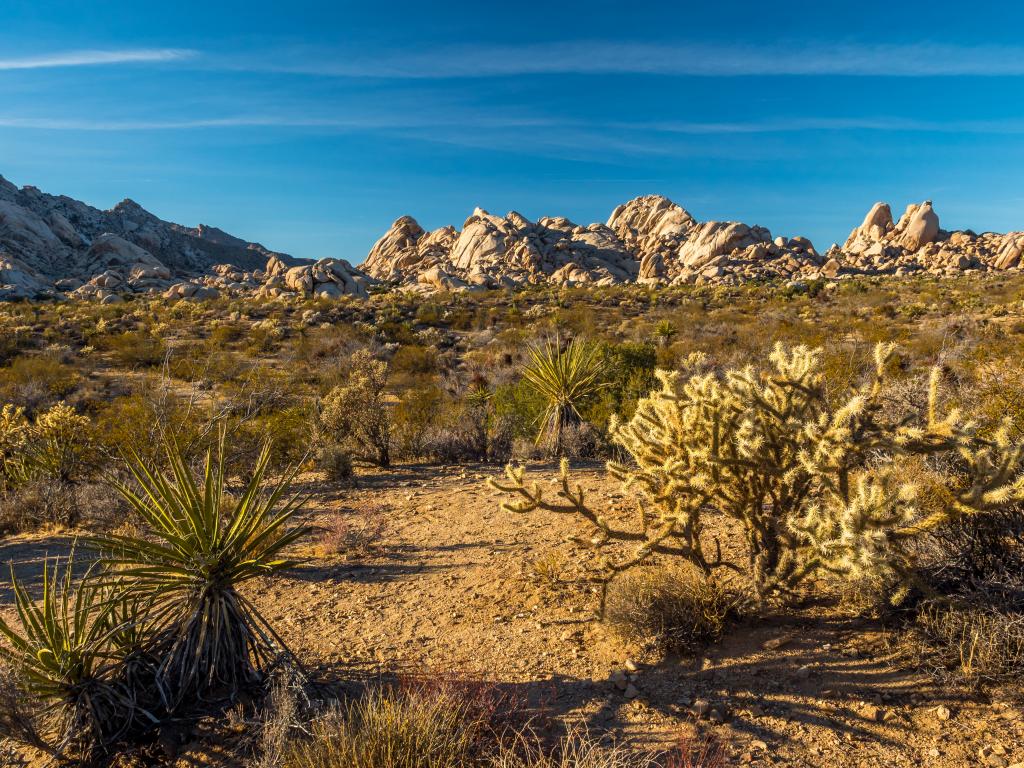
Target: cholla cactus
55 445
812 485
14 433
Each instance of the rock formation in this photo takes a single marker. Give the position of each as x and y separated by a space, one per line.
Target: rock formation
52 245
649 239
56 247
916 243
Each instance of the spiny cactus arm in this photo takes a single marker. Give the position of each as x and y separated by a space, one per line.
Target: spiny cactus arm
533 499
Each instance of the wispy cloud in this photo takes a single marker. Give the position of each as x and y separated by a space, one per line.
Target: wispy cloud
920 59
806 124
468 120
341 123
91 58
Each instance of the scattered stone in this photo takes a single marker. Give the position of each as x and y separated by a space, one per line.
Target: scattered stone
700 708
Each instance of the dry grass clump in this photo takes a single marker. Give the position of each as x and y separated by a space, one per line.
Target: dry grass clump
677 608
975 644
445 723
578 749
392 728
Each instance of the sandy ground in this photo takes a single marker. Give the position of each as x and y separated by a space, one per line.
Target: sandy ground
453 588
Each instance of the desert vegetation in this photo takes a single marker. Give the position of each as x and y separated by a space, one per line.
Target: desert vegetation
618 526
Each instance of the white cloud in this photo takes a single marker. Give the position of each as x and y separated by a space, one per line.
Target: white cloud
710 60
95 58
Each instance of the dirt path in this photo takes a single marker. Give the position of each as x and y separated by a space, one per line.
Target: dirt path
453 588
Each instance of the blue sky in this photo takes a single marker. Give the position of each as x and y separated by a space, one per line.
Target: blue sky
310 126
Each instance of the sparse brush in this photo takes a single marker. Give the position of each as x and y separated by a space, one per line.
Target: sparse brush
355 532
355 414
335 462
577 749
694 751
566 378
678 608
64 654
387 728
197 547
21 716
548 568
978 644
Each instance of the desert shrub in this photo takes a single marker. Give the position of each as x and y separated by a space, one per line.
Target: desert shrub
582 441
627 375
394 728
520 405
676 608
414 359
355 532
415 415
355 414
501 435
196 548
815 484
288 429
461 431
36 381
335 462
135 349
141 424
59 444
39 503
566 378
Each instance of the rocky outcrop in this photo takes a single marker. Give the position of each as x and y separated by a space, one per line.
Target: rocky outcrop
649 239
653 240
917 243
54 245
327 278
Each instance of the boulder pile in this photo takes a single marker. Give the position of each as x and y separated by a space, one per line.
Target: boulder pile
55 247
327 278
649 240
652 240
916 243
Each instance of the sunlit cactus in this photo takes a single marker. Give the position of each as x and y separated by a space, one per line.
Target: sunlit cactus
813 482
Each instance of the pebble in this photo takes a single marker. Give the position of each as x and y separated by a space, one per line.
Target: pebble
700 708
631 691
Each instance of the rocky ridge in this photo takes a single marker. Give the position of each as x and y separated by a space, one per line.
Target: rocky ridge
55 247
652 240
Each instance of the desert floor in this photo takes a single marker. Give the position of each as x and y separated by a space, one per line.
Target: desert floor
453 588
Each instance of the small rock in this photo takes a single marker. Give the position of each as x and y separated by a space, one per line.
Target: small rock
942 712
631 665
631 691
700 708
773 644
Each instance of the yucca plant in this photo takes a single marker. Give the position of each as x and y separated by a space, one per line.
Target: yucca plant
196 549
565 378
64 654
